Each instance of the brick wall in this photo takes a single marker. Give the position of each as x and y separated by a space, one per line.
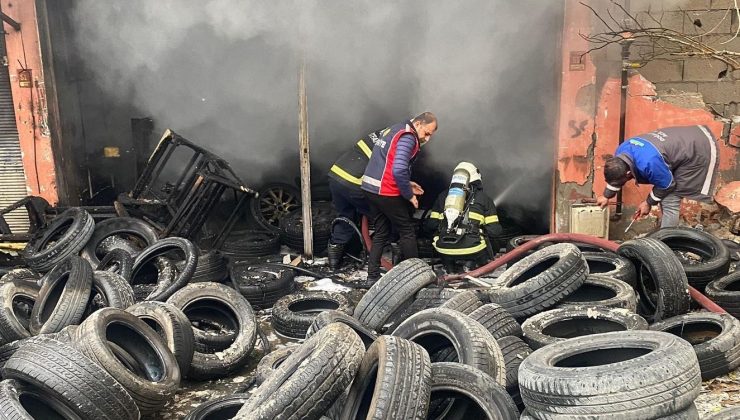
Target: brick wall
714 22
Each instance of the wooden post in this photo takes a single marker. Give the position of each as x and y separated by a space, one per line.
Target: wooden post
305 162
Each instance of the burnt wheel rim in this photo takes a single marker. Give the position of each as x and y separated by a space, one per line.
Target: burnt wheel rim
276 202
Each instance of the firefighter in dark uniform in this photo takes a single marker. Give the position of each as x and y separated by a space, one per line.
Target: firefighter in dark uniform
345 178
462 227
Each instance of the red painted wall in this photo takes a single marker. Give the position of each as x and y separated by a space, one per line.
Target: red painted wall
30 103
644 114
589 125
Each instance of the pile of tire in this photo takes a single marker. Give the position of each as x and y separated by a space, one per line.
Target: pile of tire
549 340
107 319
248 244
291 227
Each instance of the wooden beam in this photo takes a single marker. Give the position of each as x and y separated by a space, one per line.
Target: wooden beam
305 160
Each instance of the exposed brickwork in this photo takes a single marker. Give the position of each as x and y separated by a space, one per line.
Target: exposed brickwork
701 70
710 77
663 71
720 92
680 86
700 22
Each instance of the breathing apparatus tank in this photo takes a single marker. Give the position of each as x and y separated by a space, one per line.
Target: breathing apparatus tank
465 173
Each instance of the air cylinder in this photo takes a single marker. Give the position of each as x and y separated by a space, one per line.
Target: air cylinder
456 194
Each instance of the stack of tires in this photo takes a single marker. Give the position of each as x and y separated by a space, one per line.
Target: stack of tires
550 340
291 227
107 319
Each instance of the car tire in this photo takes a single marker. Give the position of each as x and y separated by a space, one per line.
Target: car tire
63 296
466 392
715 338
541 280
515 351
161 248
140 236
332 356
271 361
599 290
395 376
207 365
394 291
117 261
220 408
293 314
262 286
61 371
173 326
497 320
715 261
658 375
725 292
441 331
133 353
561 324
16 304
658 269
64 236
609 264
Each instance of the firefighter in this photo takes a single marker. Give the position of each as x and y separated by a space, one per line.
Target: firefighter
680 162
389 190
345 178
463 220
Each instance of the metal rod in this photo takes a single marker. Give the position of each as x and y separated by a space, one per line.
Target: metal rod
229 225
10 21
624 85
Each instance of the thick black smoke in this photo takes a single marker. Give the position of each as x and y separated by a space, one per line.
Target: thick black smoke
224 72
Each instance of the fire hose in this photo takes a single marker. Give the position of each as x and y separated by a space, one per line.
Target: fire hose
608 245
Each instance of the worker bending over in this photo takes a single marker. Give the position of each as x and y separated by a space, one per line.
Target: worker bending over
680 162
463 219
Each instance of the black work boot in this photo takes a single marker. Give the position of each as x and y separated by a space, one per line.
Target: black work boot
369 281
335 252
396 252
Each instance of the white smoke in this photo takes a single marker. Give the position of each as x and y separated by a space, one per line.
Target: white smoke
223 72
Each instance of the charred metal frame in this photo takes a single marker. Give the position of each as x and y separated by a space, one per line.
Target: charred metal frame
182 208
36 208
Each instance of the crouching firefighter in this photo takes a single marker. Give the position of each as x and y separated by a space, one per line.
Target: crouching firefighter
463 217
345 178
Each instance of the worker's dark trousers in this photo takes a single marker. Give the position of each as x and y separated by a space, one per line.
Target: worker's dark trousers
386 212
349 203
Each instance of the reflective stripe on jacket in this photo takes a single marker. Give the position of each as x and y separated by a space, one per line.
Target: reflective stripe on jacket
350 166
482 218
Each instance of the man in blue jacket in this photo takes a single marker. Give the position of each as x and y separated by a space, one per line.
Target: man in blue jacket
388 187
680 162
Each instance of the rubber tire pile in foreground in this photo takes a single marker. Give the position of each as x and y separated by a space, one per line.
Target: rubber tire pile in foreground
549 341
113 337
107 320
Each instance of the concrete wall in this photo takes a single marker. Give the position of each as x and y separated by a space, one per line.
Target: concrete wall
719 88
31 108
590 107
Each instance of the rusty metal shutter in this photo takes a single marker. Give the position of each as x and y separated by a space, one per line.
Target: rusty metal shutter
12 176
